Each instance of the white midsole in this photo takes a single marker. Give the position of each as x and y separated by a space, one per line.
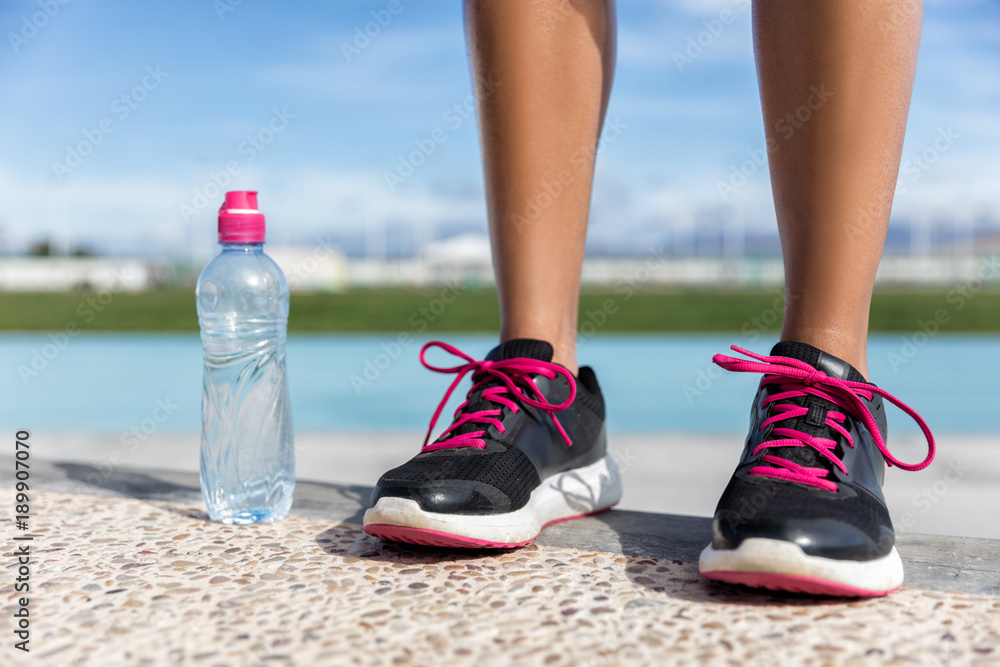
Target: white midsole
762 555
560 496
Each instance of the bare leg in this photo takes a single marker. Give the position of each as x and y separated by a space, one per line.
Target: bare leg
833 178
543 70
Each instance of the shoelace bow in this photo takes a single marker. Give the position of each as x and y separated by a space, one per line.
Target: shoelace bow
796 379
512 373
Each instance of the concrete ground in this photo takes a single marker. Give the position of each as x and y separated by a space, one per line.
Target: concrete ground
959 494
131 572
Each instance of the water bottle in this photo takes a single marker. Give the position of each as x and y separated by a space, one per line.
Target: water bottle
247 444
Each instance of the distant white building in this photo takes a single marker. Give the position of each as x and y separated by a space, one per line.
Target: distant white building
55 274
465 258
472 250
320 268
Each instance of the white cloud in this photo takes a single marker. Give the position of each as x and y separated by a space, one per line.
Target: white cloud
126 213
123 212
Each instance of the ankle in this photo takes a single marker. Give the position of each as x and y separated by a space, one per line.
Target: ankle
567 358
563 349
833 342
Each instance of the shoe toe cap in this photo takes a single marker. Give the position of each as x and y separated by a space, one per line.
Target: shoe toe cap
826 538
445 498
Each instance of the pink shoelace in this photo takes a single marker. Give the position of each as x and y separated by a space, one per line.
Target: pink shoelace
513 374
796 379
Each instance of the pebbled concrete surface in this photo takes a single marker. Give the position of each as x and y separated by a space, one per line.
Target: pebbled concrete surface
126 581
129 571
964 564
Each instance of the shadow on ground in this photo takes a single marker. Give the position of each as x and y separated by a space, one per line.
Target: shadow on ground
648 541
671 578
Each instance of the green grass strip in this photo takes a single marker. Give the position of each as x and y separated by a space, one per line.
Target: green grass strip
447 310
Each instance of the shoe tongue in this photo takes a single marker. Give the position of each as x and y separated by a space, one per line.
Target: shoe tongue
521 348
818 359
812 423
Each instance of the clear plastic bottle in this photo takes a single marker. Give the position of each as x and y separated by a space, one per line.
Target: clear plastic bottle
247 443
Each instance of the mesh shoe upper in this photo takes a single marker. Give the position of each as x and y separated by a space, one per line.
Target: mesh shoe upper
497 479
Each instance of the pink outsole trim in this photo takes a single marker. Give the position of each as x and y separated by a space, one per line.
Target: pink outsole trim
436 538
793 584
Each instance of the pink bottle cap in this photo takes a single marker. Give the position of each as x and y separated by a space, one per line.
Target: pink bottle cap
239 219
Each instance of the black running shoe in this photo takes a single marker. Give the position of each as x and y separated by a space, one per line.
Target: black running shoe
804 511
527 448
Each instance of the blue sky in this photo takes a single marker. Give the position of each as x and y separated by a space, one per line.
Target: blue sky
337 124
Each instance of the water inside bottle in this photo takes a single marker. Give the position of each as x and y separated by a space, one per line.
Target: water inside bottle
247 441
